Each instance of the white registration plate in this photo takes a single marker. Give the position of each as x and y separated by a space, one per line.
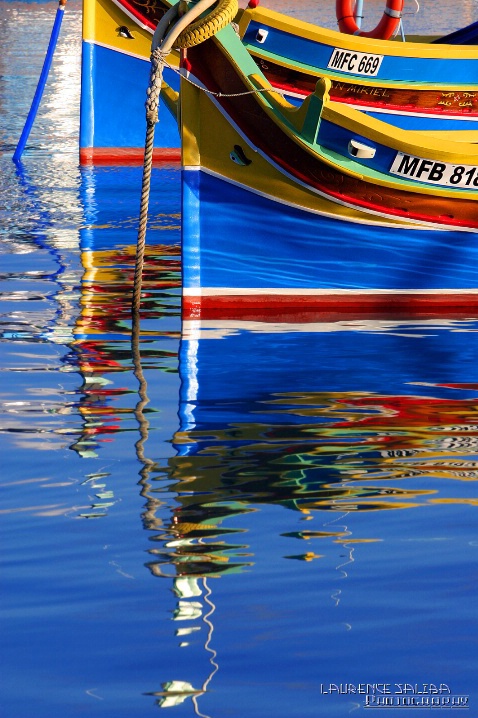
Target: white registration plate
433 172
355 63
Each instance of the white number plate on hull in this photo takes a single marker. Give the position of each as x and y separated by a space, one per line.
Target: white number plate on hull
355 63
432 172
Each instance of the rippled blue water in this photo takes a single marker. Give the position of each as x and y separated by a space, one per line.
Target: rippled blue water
244 518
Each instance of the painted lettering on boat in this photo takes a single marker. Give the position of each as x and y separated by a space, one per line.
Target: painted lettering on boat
357 63
458 99
433 172
361 90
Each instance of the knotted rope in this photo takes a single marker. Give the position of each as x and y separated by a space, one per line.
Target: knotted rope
168 35
178 33
152 117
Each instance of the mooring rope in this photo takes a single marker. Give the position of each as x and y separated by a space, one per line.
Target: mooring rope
171 32
152 108
158 63
183 33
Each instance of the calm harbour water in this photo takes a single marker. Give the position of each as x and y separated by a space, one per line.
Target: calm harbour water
293 507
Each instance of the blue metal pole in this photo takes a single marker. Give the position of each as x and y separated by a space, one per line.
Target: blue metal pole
358 12
41 82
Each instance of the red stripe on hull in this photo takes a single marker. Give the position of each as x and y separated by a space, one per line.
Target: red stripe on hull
397 98
267 307
140 16
363 102
127 155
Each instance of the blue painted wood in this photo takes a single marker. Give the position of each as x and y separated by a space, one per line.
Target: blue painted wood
112 101
240 239
393 68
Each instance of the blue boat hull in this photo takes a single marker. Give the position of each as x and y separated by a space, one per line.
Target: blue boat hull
244 252
113 95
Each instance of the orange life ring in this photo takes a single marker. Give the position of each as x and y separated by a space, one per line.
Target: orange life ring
387 26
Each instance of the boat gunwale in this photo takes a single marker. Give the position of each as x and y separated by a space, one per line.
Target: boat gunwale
326 36
316 33
414 142
419 85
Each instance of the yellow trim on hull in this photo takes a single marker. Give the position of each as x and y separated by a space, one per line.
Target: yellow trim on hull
101 20
207 144
354 42
363 81
419 144
468 136
410 141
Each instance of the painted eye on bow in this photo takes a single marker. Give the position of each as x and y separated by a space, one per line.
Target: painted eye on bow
124 32
238 156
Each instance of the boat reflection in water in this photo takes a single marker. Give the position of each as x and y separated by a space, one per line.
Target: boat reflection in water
324 416
102 337
324 419
328 418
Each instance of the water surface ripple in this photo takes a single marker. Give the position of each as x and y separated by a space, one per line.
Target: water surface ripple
234 519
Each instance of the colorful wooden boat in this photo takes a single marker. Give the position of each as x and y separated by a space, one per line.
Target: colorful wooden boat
317 207
417 84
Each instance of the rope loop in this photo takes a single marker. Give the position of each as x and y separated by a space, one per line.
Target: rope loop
206 27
